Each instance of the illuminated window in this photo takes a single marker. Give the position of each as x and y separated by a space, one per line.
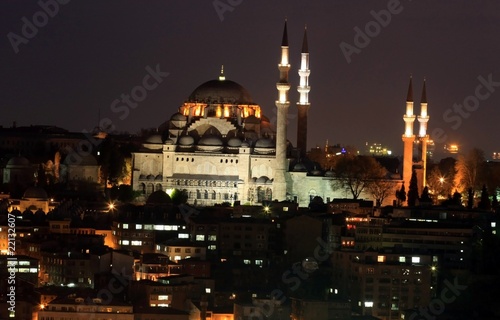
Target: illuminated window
381 259
125 242
148 227
136 243
212 247
162 297
402 259
125 226
415 259
183 235
200 237
138 226
246 261
177 258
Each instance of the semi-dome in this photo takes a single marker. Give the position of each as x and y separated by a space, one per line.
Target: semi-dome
178 117
169 141
186 140
221 91
35 193
210 140
18 161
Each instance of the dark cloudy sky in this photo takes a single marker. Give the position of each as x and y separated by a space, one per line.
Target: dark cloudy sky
91 52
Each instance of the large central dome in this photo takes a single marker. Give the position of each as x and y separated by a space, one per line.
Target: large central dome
221 91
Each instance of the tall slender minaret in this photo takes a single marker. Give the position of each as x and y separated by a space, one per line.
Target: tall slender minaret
303 104
408 136
423 118
282 104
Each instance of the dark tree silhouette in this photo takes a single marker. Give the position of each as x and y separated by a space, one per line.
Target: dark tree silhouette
413 190
401 195
470 199
484 203
456 199
425 197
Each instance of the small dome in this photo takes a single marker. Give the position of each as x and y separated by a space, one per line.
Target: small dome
210 140
158 197
178 117
264 143
299 167
169 141
234 142
245 144
155 139
35 193
329 174
18 161
186 140
316 172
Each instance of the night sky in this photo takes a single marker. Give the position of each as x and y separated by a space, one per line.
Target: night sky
91 52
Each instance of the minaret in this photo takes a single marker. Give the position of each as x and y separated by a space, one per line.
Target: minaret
303 104
408 136
282 105
423 118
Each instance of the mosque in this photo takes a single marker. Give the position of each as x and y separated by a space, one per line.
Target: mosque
220 147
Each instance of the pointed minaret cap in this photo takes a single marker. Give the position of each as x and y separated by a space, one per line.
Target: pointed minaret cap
305 48
222 77
409 97
424 94
284 41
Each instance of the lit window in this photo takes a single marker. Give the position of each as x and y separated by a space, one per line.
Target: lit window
368 304
208 290
381 259
259 262
125 242
200 237
148 227
212 247
177 258
136 243
125 226
246 261
415 259
183 235
138 226
162 297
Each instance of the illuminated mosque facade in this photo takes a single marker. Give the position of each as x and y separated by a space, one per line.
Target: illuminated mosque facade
220 147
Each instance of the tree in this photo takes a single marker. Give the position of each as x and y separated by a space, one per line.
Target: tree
356 173
381 189
470 198
470 171
440 183
413 190
484 203
425 197
112 162
401 195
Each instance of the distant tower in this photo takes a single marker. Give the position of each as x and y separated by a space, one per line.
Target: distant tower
282 105
303 104
408 136
423 137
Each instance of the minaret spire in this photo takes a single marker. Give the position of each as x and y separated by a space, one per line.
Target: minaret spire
408 136
303 105
423 119
282 104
